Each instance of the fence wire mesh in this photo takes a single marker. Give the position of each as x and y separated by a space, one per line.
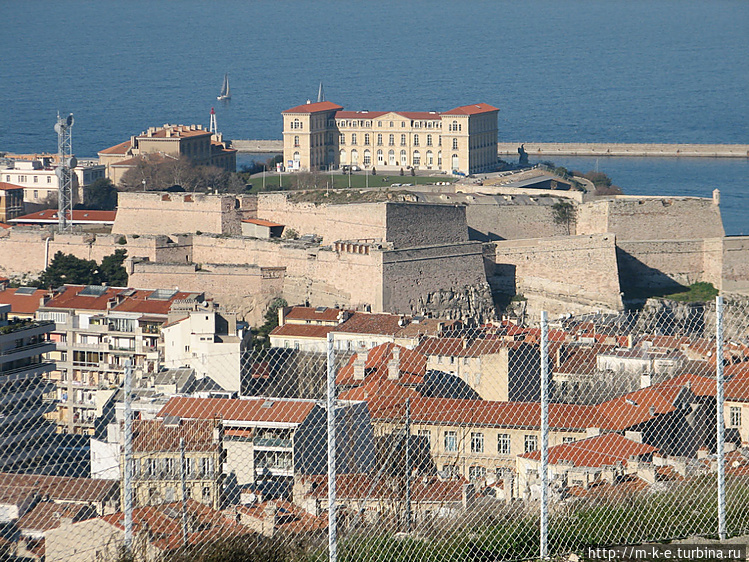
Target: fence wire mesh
442 432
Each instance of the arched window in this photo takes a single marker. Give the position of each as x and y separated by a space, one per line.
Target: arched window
379 139
380 158
296 140
439 159
367 158
353 138
296 157
296 124
403 140
391 140
354 157
456 162
404 158
430 158
343 156
391 157
417 158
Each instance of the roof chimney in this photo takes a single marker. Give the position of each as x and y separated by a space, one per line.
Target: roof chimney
651 410
394 364
359 366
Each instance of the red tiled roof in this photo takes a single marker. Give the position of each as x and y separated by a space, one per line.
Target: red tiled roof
471 109
737 386
368 323
175 132
314 107
324 314
3 225
302 331
138 301
4 186
289 517
22 304
155 435
282 410
121 148
595 452
418 115
630 484
644 404
261 222
79 216
411 365
359 114
46 515
62 488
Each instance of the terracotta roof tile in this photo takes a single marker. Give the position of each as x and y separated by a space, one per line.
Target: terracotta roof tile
314 107
284 410
46 515
472 109
139 300
22 304
62 488
4 186
302 331
261 222
121 148
608 449
325 314
155 435
369 323
80 216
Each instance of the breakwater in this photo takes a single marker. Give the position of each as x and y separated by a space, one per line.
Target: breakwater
627 149
568 149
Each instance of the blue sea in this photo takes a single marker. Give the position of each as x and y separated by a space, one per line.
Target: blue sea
559 70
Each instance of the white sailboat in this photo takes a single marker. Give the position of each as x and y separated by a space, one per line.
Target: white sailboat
225 91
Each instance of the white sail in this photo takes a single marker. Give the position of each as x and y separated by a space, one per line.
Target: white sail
225 91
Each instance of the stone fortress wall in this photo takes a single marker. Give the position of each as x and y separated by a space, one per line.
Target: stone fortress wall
411 257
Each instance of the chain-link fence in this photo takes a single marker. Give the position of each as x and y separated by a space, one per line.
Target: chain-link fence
357 436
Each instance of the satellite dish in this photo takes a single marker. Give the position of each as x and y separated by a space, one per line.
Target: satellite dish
58 128
72 162
70 120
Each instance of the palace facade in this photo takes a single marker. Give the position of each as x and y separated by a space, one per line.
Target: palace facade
323 136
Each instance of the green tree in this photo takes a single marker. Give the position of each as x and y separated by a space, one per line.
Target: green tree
67 268
111 270
262 338
100 195
564 213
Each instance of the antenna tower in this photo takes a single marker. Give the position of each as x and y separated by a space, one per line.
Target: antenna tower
212 126
64 172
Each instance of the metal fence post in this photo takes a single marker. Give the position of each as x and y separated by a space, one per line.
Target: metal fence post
544 352
720 420
128 451
332 527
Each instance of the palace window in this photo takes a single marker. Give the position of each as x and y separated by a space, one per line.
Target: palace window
430 162
367 158
379 139
404 158
455 144
296 140
366 138
429 140
416 140
451 441
380 158
417 158
353 138
296 124
354 157
391 142
342 140
391 157
735 416
477 442
503 444
403 140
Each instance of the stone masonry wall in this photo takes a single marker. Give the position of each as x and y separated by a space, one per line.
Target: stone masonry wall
171 213
652 218
571 274
332 222
512 222
445 279
736 263
416 224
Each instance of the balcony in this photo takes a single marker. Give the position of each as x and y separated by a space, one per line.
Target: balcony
272 442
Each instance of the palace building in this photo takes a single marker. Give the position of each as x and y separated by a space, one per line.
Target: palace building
322 136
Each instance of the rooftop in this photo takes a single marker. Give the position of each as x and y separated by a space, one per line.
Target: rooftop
279 410
609 449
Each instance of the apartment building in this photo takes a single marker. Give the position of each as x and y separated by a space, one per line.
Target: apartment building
25 443
322 135
170 450
97 330
270 440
